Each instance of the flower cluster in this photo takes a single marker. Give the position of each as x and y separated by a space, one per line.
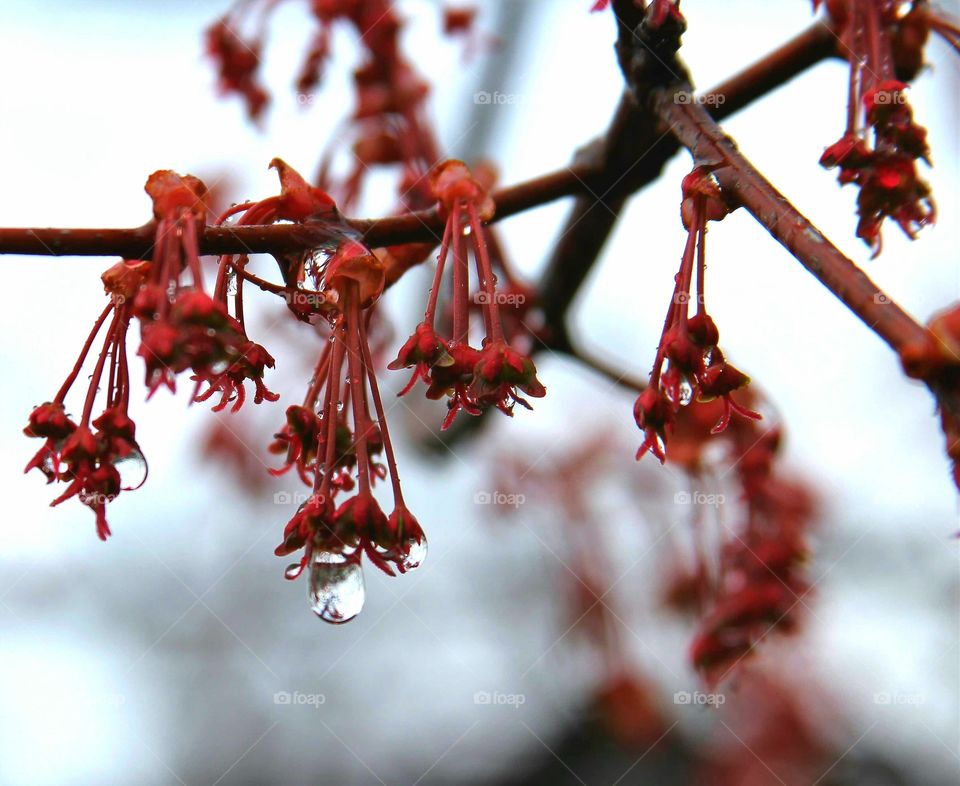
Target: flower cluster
334 435
884 168
88 456
181 326
387 124
473 379
752 580
761 582
689 365
238 60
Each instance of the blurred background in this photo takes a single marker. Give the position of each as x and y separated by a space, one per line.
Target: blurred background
176 652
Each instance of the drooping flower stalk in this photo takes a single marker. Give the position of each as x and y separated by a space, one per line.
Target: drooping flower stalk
473 379
181 326
689 365
760 584
882 45
88 456
342 438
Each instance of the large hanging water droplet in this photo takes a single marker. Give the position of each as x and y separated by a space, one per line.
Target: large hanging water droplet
335 590
132 469
293 570
414 552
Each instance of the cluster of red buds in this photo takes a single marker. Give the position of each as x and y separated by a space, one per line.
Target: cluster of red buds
473 379
689 365
181 326
883 41
238 62
388 124
89 456
331 436
756 583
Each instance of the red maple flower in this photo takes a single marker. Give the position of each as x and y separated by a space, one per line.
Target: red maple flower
327 447
88 455
695 367
238 60
474 379
884 169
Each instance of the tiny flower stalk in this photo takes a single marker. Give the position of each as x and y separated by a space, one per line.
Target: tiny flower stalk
884 46
689 365
472 379
339 439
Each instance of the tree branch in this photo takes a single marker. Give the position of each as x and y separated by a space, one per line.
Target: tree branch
422 226
743 185
634 151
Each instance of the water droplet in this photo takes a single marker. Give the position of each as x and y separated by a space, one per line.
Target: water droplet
414 552
339 406
293 570
686 393
133 470
335 590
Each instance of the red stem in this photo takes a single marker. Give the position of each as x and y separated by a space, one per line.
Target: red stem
97 373
743 185
431 312
381 418
485 273
71 378
358 385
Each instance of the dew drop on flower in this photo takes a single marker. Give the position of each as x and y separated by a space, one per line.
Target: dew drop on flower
335 590
414 552
293 570
686 393
132 469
